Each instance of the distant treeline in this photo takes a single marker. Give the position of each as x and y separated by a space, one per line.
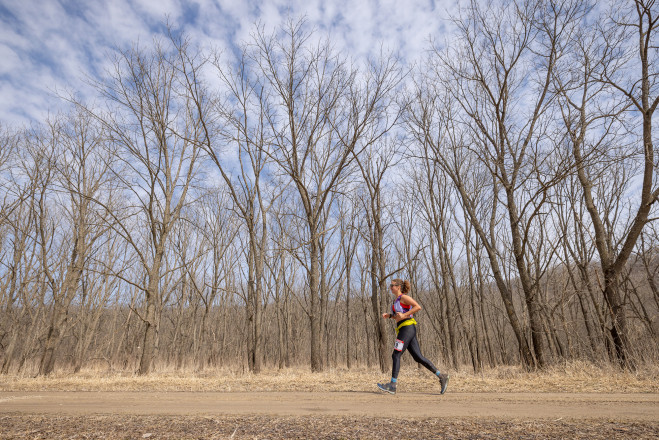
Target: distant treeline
211 210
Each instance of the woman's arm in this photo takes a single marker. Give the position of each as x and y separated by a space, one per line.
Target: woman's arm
409 301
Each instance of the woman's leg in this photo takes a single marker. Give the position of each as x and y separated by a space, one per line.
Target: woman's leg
405 336
415 351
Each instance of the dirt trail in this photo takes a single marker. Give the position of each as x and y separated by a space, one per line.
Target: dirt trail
627 407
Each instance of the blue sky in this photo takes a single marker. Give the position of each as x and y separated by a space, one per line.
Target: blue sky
51 46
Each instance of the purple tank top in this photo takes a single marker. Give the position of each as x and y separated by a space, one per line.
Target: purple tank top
398 307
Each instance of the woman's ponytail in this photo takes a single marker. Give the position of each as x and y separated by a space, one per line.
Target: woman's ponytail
405 286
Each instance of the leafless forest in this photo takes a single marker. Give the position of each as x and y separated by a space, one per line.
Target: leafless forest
250 209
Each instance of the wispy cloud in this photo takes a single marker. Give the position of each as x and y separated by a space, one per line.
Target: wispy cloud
48 46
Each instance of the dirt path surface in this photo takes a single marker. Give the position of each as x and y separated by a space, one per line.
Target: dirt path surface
640 407
278 415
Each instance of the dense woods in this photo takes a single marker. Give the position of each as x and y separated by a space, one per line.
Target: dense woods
249 210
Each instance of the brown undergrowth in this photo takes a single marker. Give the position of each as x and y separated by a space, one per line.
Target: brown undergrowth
570 377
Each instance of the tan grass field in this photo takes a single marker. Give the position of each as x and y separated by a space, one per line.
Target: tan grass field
308 415
576 400
575 377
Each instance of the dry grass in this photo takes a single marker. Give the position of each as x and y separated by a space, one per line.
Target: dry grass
318 427
571 377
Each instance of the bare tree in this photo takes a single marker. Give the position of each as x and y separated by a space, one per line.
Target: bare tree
240 115
319 117
219 229
81 175
9 141
97 287
506 54
437 202
156 130
374 164
20 287
614 70
350 224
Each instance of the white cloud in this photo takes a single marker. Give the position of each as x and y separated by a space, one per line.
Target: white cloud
10 60
47 45
157 8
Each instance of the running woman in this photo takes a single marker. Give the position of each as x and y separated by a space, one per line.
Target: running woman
404 308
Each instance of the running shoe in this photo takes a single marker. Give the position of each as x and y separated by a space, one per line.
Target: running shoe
443 381
388 387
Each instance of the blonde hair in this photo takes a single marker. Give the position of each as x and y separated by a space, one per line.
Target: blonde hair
405 285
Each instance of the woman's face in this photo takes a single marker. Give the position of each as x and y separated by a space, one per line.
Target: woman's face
395 288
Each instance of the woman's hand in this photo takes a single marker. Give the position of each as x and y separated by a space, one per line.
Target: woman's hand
398 316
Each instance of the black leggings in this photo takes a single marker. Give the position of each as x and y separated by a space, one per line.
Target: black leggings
407 335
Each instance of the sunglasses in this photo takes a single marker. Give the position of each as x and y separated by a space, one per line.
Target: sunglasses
392 285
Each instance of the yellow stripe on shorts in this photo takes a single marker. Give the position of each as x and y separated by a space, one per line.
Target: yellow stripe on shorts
410 321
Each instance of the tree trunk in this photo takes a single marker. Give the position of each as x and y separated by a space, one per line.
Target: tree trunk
315 316
151 317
